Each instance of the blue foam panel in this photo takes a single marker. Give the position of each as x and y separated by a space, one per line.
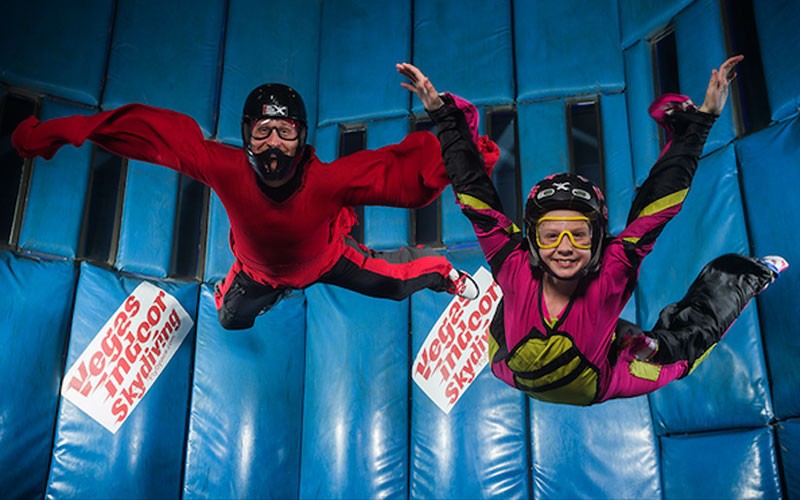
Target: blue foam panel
589 63
778 40
33 333
480 449
643 130
40 42
57 194
475 60
145 456
603 451
386 227
730 388
359 47
326 142
789 443
167 55
257 53
639 19
355 414
219 256
735 464
147 227
700 42
456 229
247 396
618 167
768 160
543 148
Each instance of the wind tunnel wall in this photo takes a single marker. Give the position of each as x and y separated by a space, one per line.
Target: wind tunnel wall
316 400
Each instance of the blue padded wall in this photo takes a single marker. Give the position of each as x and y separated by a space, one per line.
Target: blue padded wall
640 19
144 458
543 148
731 464
149 208
360 35
34 324
40 43
57 195
256 53
643 131
618 167
219 257
177 45
769 163
316 400
583 64
789 441
465 46
355 428
481 447
577 452
778 39
247 396
700 41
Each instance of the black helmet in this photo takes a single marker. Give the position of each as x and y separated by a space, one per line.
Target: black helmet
567 192
273 100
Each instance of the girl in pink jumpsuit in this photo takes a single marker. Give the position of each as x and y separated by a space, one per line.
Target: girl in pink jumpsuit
558 336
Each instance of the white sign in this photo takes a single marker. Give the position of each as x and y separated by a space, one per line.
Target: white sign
127 355
457 347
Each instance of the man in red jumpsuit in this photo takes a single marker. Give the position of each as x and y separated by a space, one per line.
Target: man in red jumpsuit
290 213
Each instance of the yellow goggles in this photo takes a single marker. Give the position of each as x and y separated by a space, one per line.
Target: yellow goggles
551 230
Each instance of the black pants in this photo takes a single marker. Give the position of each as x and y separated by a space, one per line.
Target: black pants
686 329
391 275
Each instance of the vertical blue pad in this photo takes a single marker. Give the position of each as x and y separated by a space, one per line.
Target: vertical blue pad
589 63
642 129
386 227
361 42
640 19
618 169
260 48
576 451
737 464
147 227
355 431
145 456
543 148
247 396
700 43
57 195
778 38
769 162
789 442
480 448
167 55
33 333
58 48
730 388
219 256
465 46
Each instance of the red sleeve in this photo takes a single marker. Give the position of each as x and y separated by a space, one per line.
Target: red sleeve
135 131
409 174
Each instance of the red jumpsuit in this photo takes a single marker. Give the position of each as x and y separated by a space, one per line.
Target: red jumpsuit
278 245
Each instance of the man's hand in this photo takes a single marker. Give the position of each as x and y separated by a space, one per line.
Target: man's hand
420 85
718 86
